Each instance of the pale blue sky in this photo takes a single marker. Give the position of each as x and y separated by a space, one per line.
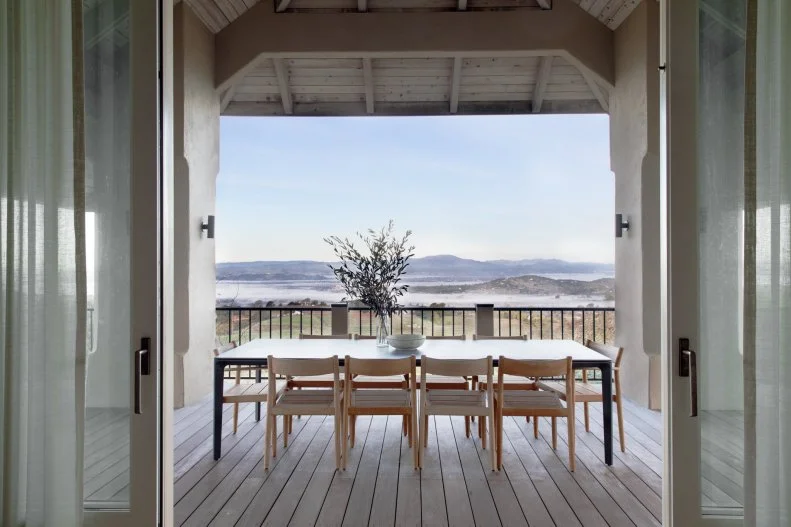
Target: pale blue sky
534 186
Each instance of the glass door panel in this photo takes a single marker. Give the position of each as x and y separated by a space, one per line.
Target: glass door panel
720 203
108 246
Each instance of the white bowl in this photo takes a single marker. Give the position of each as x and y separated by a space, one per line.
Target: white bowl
406 342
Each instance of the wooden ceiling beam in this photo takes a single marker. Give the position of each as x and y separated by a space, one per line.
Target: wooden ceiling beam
542 80
565 31
600 94
281 70
458 63
368 74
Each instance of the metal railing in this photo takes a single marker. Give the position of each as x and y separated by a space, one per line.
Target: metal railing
242 324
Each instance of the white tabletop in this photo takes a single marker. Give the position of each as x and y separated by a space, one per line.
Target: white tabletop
257 350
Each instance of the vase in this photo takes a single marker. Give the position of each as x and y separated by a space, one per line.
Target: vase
382 330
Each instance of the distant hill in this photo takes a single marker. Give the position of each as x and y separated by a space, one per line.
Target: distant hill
528 285
445 266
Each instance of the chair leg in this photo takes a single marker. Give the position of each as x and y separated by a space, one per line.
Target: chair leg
493 450
337 424
267 441
572 442
482 431
527 418
403 426
467 426
499 439
621 434
554 433
353 424
423 440
274 436
409 433
416 440
235 416
345 440
587 417
286 428
535 426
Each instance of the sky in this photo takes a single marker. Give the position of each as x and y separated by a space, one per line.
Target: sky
481 187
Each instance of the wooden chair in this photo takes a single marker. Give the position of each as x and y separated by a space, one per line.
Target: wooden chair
387 401
317 381
586 392
535 403
517 382
302 402
457 402
242 393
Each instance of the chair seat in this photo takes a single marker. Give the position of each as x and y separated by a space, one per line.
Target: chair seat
313 381
530 400
442 382
583 392
315 401
456 402
512 382
373 399
249 392
376 381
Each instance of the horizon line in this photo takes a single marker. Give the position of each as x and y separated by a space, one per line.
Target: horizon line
429 256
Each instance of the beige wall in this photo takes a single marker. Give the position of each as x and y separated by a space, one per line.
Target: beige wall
196 151
634 131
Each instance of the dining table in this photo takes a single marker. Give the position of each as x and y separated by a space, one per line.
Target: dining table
255 352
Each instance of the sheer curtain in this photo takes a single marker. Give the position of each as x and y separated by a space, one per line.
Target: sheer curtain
42 284
768 361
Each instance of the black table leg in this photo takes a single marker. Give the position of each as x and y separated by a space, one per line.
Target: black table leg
258 404
218 382
606 392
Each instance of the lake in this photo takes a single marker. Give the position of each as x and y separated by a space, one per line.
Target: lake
329 291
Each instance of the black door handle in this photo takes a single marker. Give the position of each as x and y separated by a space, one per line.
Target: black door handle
142 367
688 367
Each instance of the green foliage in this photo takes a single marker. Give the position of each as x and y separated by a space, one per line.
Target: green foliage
373 278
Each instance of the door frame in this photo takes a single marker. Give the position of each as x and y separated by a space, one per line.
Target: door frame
680 309
151 447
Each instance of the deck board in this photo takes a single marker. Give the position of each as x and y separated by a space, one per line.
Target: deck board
381 487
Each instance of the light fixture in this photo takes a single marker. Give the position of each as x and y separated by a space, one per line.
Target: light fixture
620 225
208 227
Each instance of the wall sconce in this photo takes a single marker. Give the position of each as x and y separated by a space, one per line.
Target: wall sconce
208 227
620 225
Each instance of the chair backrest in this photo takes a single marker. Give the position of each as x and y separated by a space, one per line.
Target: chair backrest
537 369
379 367
304 336
456 367
534 368
498 337
222 349
446 337
301 367
613 352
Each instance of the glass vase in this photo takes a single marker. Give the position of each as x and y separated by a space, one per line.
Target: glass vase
382 330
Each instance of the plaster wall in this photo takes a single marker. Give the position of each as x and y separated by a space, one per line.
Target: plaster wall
634 140
196 151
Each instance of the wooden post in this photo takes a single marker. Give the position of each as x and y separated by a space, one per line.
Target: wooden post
484 320
340 319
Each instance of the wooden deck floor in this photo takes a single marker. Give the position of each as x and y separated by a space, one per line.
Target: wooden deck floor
456 487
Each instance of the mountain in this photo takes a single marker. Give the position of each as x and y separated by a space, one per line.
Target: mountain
440 266
528 285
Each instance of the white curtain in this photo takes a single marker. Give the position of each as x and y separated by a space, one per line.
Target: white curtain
770 448
42 284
